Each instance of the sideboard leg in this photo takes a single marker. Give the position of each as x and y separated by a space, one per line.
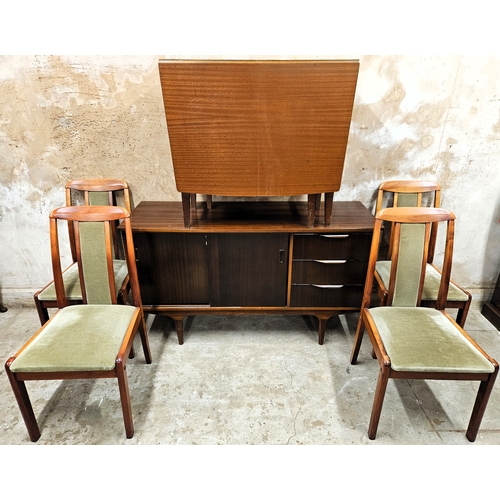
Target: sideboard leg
179 326
322 329
186 209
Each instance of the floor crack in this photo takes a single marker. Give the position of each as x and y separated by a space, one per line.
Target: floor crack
297 399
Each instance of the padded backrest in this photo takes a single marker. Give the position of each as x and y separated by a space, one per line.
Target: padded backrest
91 238
409 262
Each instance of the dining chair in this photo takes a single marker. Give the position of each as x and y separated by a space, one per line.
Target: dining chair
414 193
106 192
408 340
89 340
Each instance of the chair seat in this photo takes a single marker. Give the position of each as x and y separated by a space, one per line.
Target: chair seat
84 337
421 339
431 282
72 282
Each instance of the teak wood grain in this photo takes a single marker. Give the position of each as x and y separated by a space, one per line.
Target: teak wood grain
248 216
258 128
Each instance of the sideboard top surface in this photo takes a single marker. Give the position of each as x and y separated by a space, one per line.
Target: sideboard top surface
249 217
258 128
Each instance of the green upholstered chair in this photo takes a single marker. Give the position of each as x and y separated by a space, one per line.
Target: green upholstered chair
106 192
415 193
92 339
411 341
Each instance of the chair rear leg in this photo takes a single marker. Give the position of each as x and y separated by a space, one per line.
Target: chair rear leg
462 313
43 313
482 398
125 399
360 330
378 401
23 400
145 340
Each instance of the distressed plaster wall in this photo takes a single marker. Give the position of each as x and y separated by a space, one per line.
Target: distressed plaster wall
71 117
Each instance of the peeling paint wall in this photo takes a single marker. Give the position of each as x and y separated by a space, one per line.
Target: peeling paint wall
63 118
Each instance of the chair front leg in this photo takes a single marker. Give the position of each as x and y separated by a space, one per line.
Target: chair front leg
125 398
482 398
383 378
23 400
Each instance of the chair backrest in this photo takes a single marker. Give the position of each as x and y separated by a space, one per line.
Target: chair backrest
410 193
411 241
104 192
93 237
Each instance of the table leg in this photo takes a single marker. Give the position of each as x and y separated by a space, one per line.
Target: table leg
328 208
186 209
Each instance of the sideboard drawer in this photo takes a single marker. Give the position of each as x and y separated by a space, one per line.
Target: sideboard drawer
326 296
329 272
352 246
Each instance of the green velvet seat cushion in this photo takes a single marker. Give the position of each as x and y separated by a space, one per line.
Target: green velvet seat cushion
79 337
425 340
431 282
72 282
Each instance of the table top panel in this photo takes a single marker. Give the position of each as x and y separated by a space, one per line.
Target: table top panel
258 128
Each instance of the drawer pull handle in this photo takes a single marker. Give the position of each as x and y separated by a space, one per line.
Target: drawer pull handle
320 261
328 286
334 235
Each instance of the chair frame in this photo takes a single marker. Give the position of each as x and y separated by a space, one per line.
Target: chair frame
138 324
87 186
487 380
419 187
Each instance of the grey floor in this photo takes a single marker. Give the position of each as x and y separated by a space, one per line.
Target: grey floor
248 380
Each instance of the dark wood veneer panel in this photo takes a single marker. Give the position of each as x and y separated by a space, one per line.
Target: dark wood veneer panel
310 296
332 246
319 273
173 268
248 269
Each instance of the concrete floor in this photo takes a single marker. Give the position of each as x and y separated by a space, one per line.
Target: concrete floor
248 380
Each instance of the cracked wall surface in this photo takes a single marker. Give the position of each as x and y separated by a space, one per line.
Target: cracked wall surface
62 118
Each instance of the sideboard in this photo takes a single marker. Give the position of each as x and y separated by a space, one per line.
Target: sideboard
251 258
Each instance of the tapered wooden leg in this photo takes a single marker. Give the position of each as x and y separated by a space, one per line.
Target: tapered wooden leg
462 314
186 209
145 340
125 399
132 352
311 209
179 326
360 330
328 208
378 401
482 398
322 329
209 201
23 400
43 313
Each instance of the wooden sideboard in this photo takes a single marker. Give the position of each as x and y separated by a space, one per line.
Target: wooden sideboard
251 258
